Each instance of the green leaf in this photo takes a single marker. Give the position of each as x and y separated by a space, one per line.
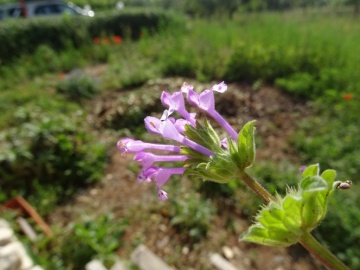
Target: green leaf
313 183
246 146
283 222
329 176
313 209
311 170
261 235
277 224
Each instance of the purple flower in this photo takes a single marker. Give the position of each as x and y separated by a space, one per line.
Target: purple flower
162 195
161 175
221 87
128 145
174 129
224 143
168 130
148 159
206 102
144 175
180 125
176 102
186 87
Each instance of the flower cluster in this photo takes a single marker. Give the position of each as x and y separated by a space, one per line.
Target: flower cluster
347 96
195 145
106 40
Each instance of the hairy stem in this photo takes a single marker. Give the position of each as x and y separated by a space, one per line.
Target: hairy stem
307 240
257 188
321 253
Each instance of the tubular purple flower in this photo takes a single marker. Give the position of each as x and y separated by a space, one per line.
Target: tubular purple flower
167 129
152 124
180 125
176 102
161 175
128 145
174 129
148 159
206 102
143 176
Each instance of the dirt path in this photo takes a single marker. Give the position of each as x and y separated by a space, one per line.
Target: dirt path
149 222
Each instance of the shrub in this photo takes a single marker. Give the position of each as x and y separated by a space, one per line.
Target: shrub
50 149
19 37
131 108
78 86
313 85
298 84
98 237
79 242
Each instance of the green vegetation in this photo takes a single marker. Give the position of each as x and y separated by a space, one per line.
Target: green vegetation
64 32
192 216
78 243
78 86
50 149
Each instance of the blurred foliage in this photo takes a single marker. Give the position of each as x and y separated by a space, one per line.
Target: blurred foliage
192 215
19 37
48 149
78 86
340 229
78 243
331 138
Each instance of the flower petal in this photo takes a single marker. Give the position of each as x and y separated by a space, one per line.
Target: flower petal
169 131
193 98
165 99
207 101
221 87
186 87
162 195
152 124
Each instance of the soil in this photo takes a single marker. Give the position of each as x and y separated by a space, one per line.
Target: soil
149 222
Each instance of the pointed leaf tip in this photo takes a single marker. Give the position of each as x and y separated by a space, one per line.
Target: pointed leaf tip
246 145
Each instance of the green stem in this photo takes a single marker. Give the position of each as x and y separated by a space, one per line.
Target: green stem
257 188
321 253
307 240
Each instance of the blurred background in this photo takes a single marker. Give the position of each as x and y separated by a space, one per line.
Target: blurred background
76 77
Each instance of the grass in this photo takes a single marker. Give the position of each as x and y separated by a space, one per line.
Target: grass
315 56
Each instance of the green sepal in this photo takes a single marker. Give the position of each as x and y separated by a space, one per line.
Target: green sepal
282 223
246 146
204 135
218 168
